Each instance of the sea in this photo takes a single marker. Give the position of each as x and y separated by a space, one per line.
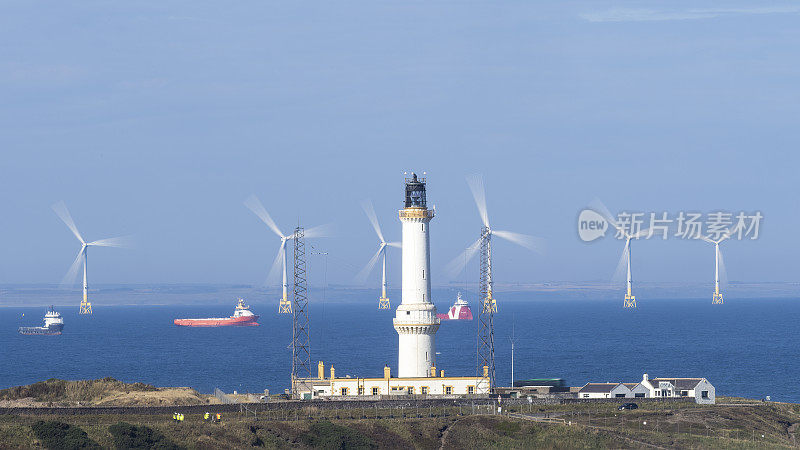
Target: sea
746 347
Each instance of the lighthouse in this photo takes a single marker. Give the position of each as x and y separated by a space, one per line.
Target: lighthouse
415 321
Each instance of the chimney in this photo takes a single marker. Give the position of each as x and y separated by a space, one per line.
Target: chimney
321 370
387 372
441 374
433 371
645 377
333 373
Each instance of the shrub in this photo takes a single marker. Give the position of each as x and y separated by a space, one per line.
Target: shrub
330 436
126 436
61 436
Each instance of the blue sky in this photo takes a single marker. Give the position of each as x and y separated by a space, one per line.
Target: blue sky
158 119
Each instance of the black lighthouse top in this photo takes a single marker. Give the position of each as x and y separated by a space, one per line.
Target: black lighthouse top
415 192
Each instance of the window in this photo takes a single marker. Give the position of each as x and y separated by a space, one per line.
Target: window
344 391
423 227
585 395
619 395
639 395
470 389
423 274
408 313
448 390
424 390
361 390
658 393
684 393
411 390
376 391
704 394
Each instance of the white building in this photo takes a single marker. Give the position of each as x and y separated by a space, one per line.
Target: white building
415 322
432 385
698 388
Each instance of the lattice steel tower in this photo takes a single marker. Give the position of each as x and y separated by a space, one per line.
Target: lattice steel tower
488 308
301 340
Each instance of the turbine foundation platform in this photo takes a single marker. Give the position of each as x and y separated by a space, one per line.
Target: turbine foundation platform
383 303
86 307
630 301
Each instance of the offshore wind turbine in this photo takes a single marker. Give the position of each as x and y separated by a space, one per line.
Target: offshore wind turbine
255 205
484 243
383 302
625 258
63 213
485 345
717 298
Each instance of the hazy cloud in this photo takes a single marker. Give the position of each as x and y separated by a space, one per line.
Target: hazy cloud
644 15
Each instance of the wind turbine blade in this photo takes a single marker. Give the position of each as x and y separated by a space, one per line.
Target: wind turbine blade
620 274
362 276
707 239
61 210
394 244
530 242
458 263
72 273
319 231
641 233
373 218
275 270
254 204
475 183
122 241
597 206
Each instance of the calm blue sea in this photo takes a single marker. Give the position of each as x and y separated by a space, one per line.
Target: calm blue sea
744 347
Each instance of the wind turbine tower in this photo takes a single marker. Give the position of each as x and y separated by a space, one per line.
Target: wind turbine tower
383 301
629 235
61 210
717 297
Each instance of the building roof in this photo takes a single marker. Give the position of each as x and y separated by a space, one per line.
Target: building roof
598 387
681 383
630 385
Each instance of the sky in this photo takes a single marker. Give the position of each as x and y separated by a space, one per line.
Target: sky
157 119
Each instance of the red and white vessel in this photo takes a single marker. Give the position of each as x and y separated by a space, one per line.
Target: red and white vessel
459 311
242 317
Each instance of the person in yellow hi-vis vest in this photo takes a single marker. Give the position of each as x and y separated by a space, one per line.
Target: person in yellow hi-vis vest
219 417
205 416
174 417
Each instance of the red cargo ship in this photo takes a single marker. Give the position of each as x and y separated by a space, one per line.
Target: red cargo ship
242 317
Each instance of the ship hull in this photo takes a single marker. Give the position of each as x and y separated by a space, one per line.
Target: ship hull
248 321
457 313
41 331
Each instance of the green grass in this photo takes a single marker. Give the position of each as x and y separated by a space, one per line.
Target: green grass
594 425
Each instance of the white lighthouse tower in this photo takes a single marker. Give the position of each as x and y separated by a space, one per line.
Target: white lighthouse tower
416 322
